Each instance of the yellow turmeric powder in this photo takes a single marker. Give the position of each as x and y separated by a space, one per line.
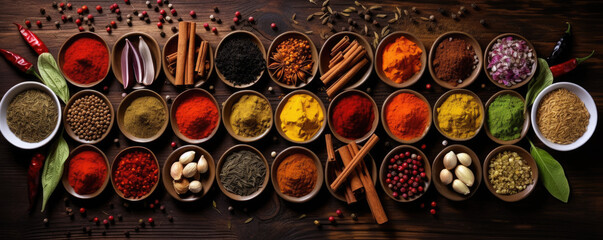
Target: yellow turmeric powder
302 117
460 116
401 59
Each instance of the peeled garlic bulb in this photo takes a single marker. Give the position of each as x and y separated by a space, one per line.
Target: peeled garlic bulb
460 187
446 176
181 186
202 165
465 175
189 170
176 170
195 186
187 157
450 160
464 159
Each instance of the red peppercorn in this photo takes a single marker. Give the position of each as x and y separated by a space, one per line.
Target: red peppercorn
109 29
395 194
68 5
423 175
151 221
105 222
127 1
80 11
117 11
85 8
173 144
214 30
331 219
99 8
95 219
162 12
159 25
273 25
27 23
251 19
81 28
339 213
423 146
90 17
113 24
39 23
235 19
432 211
420 188
434 204
144 13
151 206
82 210
156 202
206 26
62 5
78 21
159 2
192 13
111 218
238 14
63 18
173 11
428 86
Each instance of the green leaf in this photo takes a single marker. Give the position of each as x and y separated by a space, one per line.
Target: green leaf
52 76
543 79
551 173
53 169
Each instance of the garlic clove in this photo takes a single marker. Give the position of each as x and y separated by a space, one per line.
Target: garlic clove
181 186
176 170
202 165
187 157
465 175
195 186
450 160
464 159
189 170
460 187
446 176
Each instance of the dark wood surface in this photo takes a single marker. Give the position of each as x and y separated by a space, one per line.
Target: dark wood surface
538 216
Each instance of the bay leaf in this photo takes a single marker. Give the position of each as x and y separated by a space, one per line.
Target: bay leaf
53 168
551 173
52 76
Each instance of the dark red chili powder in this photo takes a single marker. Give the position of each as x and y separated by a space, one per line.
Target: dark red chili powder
197 116
136 174
86 60
353 116
87 172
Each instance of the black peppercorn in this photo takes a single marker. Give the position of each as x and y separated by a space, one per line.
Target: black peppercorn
119 18
162 34
474 6
180 19
232 27
91 28
216 10
135 12
483 22
120 217
55 5
42 11
170 218
219 21
156 9
174 29
48 18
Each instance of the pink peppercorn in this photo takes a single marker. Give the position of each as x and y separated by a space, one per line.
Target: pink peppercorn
159 2
79 11
85 8
144 13
78 21
162 12
331 219
173 144
173 11
109 29
251 19
99 8
90 17
39 23
273 25
235 19
238 14
28 23
206 26
432 211
192 13
214 30
80 28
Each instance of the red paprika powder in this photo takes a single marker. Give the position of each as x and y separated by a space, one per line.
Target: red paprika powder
353 116
86 60
197 116
87 172
136 174
407 116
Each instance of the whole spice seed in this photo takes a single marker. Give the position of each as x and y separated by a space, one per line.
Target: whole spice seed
509 173
562 117
32 115
292 61
243 173
89 117
240 60
406 176
136 174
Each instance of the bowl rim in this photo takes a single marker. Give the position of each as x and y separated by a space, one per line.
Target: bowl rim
256 41
589 103
170 77
14 91
444 97
384 120
529 160
114 165
176 103
136 94
526 115
336 100
226 115
79 95
379 54
279 39
279 111
534 66
65 176
478 52
167 178
223 159
390 154
368 159
475 163
67 43
153 44
278 160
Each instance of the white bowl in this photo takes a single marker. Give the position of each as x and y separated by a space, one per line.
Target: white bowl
6 99
589 103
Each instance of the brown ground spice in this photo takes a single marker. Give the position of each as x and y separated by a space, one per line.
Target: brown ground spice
454 60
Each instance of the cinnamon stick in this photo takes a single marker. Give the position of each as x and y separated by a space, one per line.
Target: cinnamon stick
182 47
201 62
354 180
341 44
335 60
371 193
355 162
330 151
352 45
341 67
190 57
341 82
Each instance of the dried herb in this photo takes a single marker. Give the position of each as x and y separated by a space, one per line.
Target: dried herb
302 216
376 7
551 172
53 169
216 207
243 173
32 115
52 77
248 220
543 79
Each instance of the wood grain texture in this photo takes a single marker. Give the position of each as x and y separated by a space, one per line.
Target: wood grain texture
483 216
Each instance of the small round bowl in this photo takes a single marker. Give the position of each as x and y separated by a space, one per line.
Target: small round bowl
244 35
8 97
389 39
133 37
77 96
68 42
114 168
277 161
207 179
486 61
476 48
176 103
335 101
330 174
281 38
443 98
325 56
529 160
234 196
171 46
279 110
227 110
384 120
65 178
438 165
125 103
526 116
383 171
590 105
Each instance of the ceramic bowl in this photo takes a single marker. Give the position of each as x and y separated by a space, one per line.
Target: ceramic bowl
125 103
70 40
389 39
438 165
330 115
526 123
529 160
325 56
65 178
8 97
134 39
72 100
226 154
281 38
486 60
241 34
227 110
384 120
207 179
279 110
330 174
114 168
590 105
476 48
383 172
274 172
443 98
171 46
176 103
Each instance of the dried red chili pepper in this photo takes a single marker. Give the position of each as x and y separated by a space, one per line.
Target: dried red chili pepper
568 66
136 174
32 39
20 62
33 177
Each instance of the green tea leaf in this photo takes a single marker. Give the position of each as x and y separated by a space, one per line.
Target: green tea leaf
543 79
551 173
52 77
53 169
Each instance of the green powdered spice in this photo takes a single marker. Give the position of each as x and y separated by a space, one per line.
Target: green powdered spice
505 117
144 117
32 115
243 173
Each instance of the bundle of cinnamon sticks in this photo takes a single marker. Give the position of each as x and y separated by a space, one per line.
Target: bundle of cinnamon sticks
183 62
347 58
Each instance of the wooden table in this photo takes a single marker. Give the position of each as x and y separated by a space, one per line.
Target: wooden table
538 216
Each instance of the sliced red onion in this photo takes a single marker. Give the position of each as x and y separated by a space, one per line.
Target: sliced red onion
147 62
510 61
136 61
127 76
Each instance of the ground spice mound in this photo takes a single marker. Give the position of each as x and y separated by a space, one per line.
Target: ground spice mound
562 117
296 175
454 60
